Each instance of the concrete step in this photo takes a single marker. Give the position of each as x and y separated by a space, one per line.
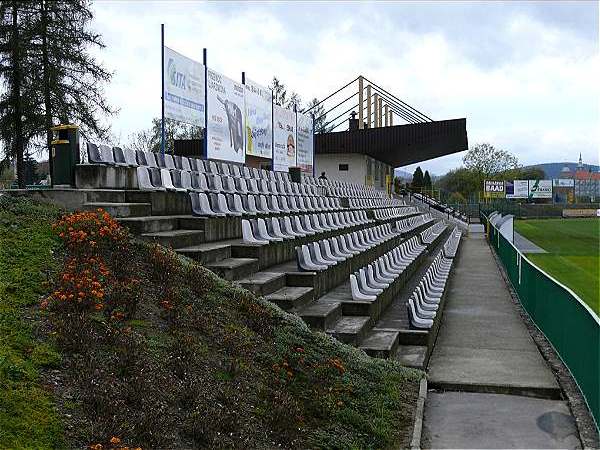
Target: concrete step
412 356
208 252
120 209
321 315
380 344
175 238
149 224
234 268
263 283
351 329
289 297
192 223
106 196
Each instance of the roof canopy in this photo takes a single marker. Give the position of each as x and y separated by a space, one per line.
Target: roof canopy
399 145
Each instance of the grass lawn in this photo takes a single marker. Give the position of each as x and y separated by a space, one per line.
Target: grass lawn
28 418
573 255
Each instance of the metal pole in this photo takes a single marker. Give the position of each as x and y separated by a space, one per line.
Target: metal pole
369 106
361 119
162 92
204 60
313 146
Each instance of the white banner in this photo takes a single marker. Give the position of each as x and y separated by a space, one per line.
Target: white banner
225 120
564 182
305 143
520 189
284 138
540 188
183 89
258 137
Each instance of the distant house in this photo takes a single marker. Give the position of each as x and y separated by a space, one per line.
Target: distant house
587 182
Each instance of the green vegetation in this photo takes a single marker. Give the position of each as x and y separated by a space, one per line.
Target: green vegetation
573 255
27 416
157 352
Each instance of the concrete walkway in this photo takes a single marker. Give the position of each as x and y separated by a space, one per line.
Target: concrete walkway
491 388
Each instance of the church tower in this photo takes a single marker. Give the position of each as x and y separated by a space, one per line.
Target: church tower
580 163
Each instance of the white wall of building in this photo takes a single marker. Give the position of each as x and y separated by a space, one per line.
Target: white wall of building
330 164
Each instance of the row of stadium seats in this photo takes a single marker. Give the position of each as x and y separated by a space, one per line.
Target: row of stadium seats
394 213
374 202
318 256
370 281
103 154
425 299
225 204
412 223
276 229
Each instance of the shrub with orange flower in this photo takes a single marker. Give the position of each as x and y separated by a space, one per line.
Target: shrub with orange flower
88 237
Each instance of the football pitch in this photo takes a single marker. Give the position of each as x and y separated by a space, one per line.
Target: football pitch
573 256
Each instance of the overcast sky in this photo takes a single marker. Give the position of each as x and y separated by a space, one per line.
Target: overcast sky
525 75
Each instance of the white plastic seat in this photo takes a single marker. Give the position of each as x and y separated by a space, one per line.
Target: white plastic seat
248 235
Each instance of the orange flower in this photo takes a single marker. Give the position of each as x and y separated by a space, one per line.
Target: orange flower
115 440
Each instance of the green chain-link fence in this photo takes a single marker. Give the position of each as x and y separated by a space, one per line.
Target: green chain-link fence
569 324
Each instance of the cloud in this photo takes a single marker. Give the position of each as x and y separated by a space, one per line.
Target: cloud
524 74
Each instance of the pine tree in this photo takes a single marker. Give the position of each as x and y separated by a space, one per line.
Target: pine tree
427 180
50 74
72 80
417 180
18 119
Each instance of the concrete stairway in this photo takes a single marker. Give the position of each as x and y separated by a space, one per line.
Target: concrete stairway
322 300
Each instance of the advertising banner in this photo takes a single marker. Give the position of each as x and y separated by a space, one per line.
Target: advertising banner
258 137
493 189
225 119
564 182
305 144
519 189
509 189
284 138
540 188
183 89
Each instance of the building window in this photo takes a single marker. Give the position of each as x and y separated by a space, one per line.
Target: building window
343 167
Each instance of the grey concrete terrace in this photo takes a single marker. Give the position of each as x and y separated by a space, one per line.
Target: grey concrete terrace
490 386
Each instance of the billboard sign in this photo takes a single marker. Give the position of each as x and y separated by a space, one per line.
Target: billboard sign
284 138
225 120
258 111
305 143
517 189
493 189
540 188
564 182
183 94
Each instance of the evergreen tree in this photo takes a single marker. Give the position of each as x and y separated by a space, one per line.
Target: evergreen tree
318 111
18 119
427 180
417 180
50 74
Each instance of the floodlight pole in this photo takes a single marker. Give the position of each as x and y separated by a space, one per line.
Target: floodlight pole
162 93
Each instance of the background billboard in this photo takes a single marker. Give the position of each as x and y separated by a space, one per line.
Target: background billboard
305 143
493 189
540 188
519 189
284 138
225 118
258 110
183 88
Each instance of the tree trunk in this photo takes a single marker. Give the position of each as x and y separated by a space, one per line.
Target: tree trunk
46 72
16 96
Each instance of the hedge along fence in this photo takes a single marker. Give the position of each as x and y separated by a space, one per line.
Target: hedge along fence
570 325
